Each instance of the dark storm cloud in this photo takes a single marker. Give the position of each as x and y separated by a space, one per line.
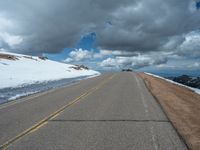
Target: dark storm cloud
129 25
50 25
150 25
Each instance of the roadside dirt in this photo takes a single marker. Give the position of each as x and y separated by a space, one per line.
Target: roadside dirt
181 105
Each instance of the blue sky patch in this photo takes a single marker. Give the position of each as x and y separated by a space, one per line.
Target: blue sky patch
87 42
198 5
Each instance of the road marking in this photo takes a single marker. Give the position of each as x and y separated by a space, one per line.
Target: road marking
40 126
153 137
142 97
55 116
44 121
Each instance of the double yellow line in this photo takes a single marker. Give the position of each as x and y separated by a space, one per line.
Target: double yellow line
44 121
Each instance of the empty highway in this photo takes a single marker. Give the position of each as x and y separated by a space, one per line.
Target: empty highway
114 111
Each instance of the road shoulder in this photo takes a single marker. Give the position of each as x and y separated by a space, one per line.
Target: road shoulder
181 105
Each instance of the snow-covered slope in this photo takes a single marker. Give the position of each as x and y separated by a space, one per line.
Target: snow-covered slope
17 70
193 89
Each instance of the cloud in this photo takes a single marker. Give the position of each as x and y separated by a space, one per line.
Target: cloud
128 33
135 62
135 26
149 25
191 45
187 66
118 53
107 59
79 55
10 40
5 23
195 65
104 53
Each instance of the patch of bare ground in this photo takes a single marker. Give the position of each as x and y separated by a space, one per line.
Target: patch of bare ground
79 67
29 57
181 105
8 57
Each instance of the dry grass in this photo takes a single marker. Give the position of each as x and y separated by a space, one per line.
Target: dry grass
181 105
8 57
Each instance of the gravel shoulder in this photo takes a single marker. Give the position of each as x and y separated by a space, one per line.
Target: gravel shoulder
181 105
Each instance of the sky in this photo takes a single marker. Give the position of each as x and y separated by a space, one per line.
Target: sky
155 35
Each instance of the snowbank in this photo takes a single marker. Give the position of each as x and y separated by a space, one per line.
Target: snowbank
193 89
26 69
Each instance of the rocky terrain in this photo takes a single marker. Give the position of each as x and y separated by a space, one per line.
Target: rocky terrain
187 80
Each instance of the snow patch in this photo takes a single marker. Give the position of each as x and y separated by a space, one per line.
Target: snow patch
31 69
21 95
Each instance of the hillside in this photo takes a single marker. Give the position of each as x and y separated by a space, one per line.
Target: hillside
188 80
19 70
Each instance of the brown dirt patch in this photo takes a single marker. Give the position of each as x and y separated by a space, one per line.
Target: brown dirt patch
181 105
8 57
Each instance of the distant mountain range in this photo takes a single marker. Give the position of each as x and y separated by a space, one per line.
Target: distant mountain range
187 80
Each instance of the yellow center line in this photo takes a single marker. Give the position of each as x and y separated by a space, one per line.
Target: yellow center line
44 121
38 127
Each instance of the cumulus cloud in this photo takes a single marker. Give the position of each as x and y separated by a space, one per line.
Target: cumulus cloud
108 59
135 62
149 25
118 53
128 33
79 55
104 53
191 45
10 40
129 25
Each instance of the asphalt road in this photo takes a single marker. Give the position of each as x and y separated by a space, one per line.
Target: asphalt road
112 111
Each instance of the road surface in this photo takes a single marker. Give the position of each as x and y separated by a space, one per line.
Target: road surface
111 111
